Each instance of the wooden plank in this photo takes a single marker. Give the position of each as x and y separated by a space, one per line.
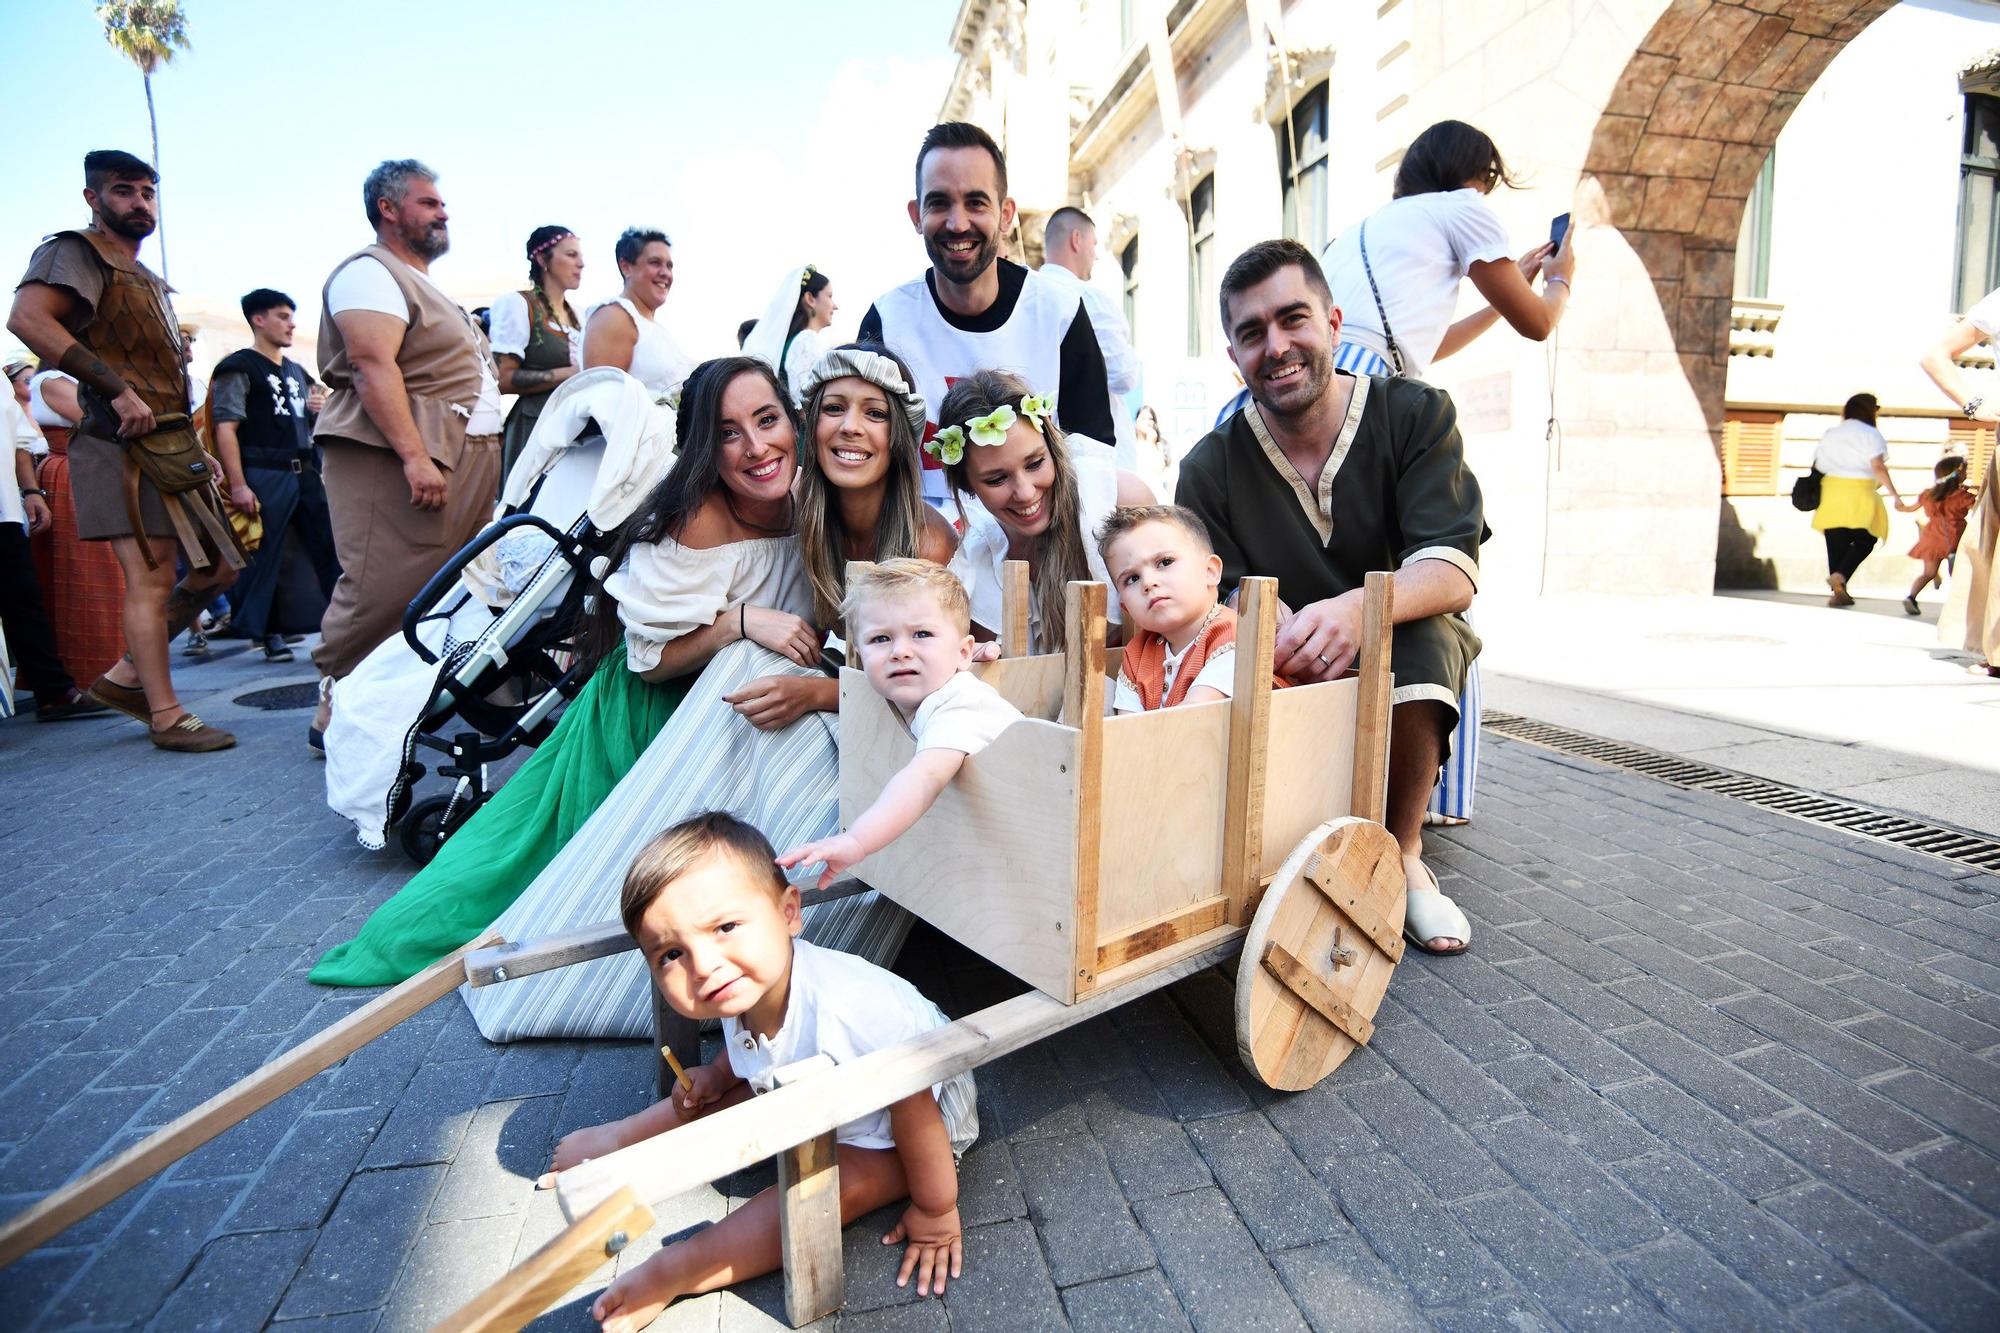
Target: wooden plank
809 1229
1311 755
756 1130
1371 710
1032 684
1083 709
1305 983
1014 607
552 1271
83 1196
1167 930
503 962
1249 746
992 862
848 574
1322 876
1162 814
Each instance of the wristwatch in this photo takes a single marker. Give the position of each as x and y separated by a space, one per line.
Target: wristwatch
1972 406
34 490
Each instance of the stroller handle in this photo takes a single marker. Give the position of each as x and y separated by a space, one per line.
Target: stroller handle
442 581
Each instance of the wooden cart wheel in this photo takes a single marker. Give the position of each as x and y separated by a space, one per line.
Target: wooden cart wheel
1319 954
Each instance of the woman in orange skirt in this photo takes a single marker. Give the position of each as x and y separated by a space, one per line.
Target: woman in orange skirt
82 586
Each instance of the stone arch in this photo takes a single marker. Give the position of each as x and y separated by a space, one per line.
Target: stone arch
1681 140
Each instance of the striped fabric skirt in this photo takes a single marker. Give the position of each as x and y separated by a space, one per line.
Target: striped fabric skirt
1451 800
786 783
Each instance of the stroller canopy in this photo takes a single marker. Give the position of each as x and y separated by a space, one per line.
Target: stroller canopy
638 442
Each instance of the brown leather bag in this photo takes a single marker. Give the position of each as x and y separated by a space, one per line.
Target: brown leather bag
172 458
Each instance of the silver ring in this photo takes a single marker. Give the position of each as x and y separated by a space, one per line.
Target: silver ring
1324 660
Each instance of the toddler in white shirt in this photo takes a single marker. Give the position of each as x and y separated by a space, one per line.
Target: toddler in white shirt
911 624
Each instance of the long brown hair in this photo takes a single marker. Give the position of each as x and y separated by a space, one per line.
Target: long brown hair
696 472
823 535
1060 557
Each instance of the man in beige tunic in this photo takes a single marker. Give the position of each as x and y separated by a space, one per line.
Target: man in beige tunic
411 427
88 305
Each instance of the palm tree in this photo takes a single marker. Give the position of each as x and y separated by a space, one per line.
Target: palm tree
147 33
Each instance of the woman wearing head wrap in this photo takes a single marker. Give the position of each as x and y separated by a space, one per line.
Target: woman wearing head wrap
710 618
537 339
788 337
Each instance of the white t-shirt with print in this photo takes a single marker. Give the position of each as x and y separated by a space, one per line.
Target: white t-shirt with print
1420 247
365 284
1218 673
964 713
845 1007
1849 450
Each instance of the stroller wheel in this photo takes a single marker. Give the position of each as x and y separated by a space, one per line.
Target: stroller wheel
429 822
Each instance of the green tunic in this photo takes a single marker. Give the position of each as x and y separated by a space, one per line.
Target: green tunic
1395 490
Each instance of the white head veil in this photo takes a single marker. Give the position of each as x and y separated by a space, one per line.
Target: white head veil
767 341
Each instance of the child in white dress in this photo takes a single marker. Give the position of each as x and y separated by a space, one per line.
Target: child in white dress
911 623
718 926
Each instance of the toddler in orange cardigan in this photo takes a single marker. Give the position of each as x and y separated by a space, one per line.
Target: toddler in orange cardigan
1164 568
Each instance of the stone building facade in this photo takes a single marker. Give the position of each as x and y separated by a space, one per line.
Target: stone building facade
1191 128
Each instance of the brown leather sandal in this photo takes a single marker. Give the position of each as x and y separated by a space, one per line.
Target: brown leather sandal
127 699
190 735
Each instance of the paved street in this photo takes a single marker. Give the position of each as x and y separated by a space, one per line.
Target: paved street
1706 1066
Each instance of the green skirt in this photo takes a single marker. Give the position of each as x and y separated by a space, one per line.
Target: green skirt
486 865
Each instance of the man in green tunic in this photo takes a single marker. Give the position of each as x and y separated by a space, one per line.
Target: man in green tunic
1323 478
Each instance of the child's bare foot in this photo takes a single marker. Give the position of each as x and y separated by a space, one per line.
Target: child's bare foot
637 1298
598 1141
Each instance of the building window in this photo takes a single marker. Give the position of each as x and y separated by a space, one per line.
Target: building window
1753 242
1978 202
1202 316
1974 439
1128 264
1302 169
1750 447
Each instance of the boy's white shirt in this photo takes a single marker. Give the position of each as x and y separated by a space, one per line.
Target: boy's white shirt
844 1007
1218 673
964 714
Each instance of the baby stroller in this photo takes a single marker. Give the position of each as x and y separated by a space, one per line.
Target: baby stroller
487 657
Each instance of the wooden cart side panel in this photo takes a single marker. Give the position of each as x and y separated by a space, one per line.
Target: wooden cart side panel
1032 684
1162 819
993 863
1311 760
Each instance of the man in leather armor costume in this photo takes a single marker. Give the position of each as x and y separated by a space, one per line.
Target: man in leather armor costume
87 305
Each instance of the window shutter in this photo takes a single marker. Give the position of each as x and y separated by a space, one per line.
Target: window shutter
1974 439
1750 447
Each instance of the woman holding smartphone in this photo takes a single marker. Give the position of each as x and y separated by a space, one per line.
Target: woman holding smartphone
1396 277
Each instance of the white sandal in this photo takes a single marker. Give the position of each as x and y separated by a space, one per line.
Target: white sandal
1429 915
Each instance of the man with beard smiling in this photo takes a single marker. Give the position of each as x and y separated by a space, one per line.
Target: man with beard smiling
973 310
1324 477
88 305
411 426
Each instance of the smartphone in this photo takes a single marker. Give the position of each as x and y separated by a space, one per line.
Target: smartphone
1558 228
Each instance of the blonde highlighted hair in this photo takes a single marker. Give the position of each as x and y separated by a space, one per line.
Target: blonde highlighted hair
678 850
908 578
1061 558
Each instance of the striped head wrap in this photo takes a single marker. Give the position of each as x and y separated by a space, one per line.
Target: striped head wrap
877 369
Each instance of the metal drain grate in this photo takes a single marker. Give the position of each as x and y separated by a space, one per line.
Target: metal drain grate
1937 840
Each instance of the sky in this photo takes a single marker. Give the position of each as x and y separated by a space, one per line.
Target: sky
760 135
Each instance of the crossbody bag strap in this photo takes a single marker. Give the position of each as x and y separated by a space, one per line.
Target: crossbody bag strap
1388 334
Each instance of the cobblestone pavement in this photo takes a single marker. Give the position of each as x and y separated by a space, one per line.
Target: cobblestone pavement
1705 1067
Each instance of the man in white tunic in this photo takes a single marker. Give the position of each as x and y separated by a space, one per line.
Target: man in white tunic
1069 256
972 310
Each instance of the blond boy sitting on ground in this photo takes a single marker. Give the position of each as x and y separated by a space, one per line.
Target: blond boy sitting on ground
911 623
1166 573
718 927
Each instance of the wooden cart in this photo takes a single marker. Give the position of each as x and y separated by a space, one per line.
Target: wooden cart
1096 858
